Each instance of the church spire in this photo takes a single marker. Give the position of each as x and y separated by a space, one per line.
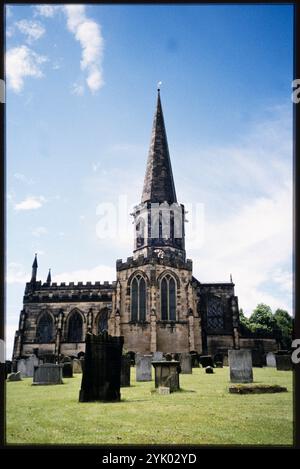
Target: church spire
34 269
158 183
49 277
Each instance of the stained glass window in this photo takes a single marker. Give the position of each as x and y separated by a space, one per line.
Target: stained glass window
215 313
168 298
45 329
75 327
138 299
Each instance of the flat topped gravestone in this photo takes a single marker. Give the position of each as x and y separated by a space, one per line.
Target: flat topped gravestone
185 363
283 362
240 364
143 367
47 373
271 360
67 370
167 374
101 377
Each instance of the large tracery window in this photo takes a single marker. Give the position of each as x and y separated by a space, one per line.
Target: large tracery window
75 328
45 329
168 298
215 313
103 321
138 299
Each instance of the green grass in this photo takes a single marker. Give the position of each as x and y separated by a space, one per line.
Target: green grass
202 413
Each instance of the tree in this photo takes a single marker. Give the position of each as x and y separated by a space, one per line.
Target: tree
284 322
263 318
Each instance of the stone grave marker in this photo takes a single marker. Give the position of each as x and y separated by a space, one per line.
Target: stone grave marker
185 360
47 374
271 360
167 374
76 366
15 377
158 357
125 371
143 367
283 362
101 377
240 364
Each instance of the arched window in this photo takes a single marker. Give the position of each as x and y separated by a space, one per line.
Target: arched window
103 321
168 298
140 232
45 329
138 299
75 327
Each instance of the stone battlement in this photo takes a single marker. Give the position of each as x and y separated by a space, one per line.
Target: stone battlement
168 260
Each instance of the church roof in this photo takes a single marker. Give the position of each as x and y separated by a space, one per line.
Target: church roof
159 183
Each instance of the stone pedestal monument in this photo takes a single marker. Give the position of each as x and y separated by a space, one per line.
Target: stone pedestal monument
166 374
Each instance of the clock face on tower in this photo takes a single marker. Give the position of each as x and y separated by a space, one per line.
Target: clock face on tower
159 252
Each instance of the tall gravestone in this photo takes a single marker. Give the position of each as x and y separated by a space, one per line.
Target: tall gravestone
101 377
21 367
125 371
143 367
47 373
271 360
31 362
240 364
185 360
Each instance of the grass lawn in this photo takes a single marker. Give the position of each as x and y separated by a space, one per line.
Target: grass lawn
202 413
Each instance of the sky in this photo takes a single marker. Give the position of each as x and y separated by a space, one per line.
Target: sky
80 99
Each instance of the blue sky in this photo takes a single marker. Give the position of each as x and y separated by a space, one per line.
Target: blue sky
81 92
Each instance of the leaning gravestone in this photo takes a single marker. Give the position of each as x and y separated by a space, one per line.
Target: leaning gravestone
271 360
283 362
15 377
185 360
47 373
101 377
143 367
125 371
158 357
77 366
240 364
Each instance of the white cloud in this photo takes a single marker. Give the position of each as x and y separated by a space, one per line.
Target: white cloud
22 62
99 273
30 203
33 30
39 231
22 178
48 11
77 89
88 33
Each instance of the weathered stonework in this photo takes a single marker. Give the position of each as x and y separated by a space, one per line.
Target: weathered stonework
155 303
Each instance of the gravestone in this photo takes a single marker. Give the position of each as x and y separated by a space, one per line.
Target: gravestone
271 360
283 362
67 370
163 390
125 371
47 374
76 366
143 367
209 370
168 357
240 364
101 377
185 360
21 367
30 363
158 357
195 359
257 358
15 377
218 359
167 374
225 360
206 360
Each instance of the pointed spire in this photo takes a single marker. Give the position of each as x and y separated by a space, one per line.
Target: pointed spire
34 269
158 183
49 277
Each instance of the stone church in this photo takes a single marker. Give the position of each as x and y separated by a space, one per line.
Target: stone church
155 303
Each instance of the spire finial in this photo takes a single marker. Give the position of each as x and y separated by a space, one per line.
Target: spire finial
49 276
34 269
231 278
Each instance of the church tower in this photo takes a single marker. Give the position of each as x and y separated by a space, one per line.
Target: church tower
154 306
